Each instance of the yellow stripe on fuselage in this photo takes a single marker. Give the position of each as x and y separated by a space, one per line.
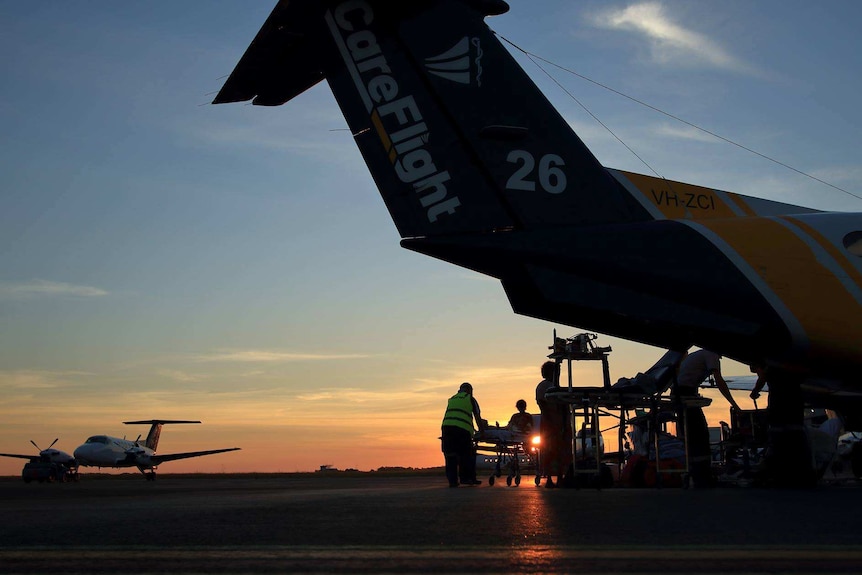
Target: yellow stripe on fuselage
741 204
836 254
830 316
785 256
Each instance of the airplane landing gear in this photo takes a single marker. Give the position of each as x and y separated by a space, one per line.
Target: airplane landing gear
149 475
788 456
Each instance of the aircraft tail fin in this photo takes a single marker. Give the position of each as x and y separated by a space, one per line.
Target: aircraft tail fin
152 440
457 137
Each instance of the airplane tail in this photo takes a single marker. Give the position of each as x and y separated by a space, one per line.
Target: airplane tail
152 440
457 137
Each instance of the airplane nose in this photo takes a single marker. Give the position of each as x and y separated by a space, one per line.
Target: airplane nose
81 453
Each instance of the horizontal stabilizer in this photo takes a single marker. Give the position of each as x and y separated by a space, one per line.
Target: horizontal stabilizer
287 39
158 421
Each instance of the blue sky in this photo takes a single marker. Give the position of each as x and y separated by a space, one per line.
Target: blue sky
161 257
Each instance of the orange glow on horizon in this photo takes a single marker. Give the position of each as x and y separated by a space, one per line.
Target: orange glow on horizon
291 429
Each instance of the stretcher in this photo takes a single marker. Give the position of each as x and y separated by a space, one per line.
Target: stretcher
511 451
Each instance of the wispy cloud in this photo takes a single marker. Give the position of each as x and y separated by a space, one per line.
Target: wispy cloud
357 395
179 376
841 174
685 133
315 132
263 356
670 42
448 380
44 288
30 379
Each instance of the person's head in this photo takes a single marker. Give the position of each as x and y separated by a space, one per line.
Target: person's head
466 388
550 370
521 405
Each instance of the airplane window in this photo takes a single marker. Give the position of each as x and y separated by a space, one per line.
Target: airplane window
853 243
98 439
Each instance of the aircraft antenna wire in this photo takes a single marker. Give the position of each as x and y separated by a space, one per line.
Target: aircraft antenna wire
534 57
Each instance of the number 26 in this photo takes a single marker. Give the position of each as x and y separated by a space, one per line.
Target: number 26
552 179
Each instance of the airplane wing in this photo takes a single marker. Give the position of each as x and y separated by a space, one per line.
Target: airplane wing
159 459
19 456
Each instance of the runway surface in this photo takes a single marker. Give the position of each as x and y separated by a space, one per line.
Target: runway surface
332 523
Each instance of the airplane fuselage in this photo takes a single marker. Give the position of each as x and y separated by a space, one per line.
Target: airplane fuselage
107 451
728 272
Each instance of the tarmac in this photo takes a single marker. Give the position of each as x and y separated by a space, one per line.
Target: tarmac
376 523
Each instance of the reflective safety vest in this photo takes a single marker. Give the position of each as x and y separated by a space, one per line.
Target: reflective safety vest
459 412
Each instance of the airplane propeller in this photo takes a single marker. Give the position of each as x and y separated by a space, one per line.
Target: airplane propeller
133 454
49 454
49 447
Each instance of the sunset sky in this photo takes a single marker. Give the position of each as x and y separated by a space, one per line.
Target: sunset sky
161 257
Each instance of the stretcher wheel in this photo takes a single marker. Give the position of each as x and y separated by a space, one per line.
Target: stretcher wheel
491 480
538 480
509 481
517 480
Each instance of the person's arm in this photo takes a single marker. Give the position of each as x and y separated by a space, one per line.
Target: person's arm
761 380
759 385
481 424
513 422
722 387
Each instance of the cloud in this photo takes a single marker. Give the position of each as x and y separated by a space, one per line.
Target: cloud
316 131
180 376
357 395
262 356
31 379
670 43
686 133
44 288
317 396
268 138
842 174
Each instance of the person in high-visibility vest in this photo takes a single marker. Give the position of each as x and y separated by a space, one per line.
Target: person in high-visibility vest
457 437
